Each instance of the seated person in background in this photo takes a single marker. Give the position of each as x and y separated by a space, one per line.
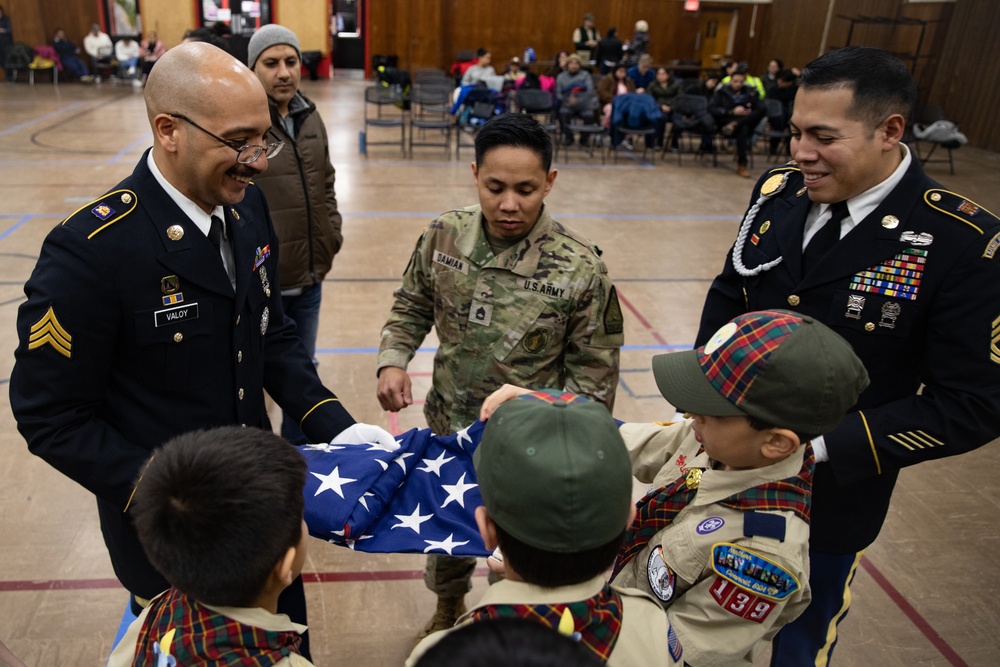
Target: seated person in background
150 49
664 89
722 538
609 51
558 64
98 46
787 84
127 54
69 54
614 83
506 642
749 79
228 541
514 73
737 109
642 73
481 70
577 98
556 485
770 76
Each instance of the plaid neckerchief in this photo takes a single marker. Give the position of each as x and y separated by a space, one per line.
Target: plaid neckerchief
793 494
596 621
206 638
658 508
656 511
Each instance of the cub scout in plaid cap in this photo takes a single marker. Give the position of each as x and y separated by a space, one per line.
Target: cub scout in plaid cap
721 538
556 484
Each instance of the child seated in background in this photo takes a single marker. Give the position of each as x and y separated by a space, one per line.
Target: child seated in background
557 497
219 513
721 539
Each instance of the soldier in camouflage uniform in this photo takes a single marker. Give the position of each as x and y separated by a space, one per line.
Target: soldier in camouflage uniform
514 297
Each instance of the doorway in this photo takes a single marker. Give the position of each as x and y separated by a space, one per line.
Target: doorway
714 39
348 34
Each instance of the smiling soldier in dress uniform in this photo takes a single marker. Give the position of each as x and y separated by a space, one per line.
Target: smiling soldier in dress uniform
155 310
906 272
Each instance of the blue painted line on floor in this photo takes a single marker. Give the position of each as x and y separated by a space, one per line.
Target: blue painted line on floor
13 228
145 138
624 385
559 215
374 350
38 119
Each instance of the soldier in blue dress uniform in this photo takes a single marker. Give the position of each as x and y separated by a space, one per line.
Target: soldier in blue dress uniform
906 272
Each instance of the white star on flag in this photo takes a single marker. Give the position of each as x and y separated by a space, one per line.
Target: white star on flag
332 481
385 466
365 502
464 435
412 521
435 465
457 491
401 458
445 545
323 447
350 543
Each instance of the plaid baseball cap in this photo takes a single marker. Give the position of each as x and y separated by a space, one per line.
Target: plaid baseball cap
554 472
777 366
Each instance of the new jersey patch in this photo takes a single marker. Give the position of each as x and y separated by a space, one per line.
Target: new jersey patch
752 572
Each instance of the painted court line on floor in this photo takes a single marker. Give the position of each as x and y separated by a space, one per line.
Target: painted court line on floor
898 598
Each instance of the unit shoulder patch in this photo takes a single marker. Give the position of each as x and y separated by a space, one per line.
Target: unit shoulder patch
103 212
614 321
958 207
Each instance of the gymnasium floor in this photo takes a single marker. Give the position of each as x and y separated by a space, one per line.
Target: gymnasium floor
924 596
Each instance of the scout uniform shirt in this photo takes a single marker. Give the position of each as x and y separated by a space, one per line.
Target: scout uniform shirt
726 594
644 637
542 313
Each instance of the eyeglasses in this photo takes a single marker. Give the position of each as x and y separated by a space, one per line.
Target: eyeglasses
244 154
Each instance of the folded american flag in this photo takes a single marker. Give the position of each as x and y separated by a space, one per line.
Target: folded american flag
420 498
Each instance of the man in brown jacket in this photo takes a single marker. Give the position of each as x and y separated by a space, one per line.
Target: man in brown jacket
299 186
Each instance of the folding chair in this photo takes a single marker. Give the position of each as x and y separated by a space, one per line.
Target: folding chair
384 109
429 107
691 117
539 104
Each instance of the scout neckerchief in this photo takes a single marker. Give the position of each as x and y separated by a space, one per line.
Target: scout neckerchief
656 511
203 637
594 622
792 494
658 508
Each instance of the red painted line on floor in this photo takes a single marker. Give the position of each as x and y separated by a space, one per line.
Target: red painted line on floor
394 423
642 320
932 635
58 585
307 577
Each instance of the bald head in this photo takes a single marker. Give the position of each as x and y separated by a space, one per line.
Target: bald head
198 78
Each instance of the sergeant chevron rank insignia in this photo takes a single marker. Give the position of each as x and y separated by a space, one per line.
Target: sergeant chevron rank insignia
48 331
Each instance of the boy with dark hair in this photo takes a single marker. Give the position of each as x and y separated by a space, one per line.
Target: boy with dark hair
721 538
557 491
228 540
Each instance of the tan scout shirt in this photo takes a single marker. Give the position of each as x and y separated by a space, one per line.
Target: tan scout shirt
717 622
541 314
642 641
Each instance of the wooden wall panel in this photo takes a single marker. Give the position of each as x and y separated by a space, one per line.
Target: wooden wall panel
309 20
967 72
169 18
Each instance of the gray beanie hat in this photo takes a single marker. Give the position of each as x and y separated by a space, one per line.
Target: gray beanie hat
268 36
